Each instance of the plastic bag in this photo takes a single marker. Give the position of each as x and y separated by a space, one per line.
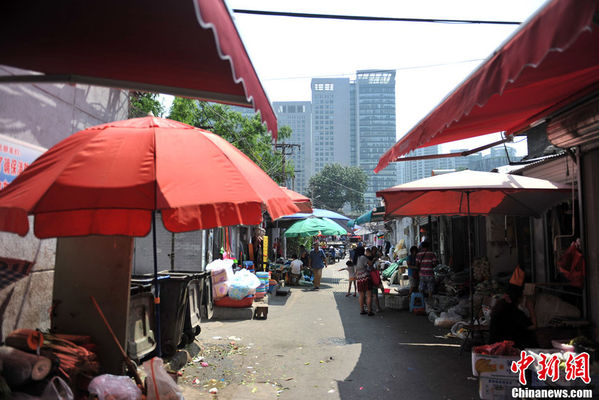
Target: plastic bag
458 330
159 384
57 389
114 387
218 265
243 284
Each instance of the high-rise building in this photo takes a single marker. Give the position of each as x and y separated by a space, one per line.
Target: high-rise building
418 169
298 116
330 122
373 114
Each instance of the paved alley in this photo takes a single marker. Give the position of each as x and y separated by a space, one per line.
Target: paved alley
316 345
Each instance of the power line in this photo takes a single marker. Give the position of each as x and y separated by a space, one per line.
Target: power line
396 69
371 18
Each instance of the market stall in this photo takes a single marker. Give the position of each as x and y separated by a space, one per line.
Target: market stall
96 198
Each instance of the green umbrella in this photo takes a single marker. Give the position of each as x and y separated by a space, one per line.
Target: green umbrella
315 226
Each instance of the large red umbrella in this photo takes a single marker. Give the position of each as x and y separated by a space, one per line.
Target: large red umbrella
473 193
108 179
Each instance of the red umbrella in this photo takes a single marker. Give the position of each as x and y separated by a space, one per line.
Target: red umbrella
108 180
302 202
473 193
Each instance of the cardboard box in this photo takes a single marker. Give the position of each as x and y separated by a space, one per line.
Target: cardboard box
497 366
495 388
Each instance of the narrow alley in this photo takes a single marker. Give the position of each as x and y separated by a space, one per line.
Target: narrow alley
316 345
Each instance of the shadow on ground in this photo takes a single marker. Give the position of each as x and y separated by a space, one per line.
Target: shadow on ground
402 356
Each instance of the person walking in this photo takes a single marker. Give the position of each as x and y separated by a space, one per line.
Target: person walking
426 260
317 261
364 283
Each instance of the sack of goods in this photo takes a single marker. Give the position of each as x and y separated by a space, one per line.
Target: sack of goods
243 284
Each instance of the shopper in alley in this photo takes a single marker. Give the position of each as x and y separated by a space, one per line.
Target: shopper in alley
426 260
317 261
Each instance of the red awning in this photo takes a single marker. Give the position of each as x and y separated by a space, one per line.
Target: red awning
550 61
182 47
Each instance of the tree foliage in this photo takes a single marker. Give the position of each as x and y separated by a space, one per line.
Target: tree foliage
247 134
141 103
336 185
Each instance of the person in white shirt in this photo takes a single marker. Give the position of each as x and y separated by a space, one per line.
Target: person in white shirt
296 270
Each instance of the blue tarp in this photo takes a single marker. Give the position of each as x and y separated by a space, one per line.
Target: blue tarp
366 217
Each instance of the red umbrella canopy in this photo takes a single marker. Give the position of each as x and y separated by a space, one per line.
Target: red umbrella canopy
489 192
109 178
303 203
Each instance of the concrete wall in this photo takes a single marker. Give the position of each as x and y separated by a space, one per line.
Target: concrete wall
44 114
28 301
590 196
188 250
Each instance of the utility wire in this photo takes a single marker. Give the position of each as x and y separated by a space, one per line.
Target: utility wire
396 69
370 18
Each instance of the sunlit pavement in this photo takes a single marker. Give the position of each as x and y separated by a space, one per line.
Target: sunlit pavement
316 345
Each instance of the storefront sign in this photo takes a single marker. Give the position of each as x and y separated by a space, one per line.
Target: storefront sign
265 250
15 156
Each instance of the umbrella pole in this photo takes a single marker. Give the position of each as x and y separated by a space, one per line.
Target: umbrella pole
470 261
156 288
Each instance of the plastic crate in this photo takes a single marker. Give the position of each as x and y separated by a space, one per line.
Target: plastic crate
396 302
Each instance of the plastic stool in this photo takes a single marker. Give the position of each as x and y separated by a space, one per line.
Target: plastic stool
416 301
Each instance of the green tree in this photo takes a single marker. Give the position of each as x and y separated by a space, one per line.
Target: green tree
247 134
141 103
336 185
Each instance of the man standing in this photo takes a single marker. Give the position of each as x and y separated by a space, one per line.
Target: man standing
317 261
426 260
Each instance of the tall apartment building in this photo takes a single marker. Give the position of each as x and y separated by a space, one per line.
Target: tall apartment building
330 122
373 115
412 170
298 116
